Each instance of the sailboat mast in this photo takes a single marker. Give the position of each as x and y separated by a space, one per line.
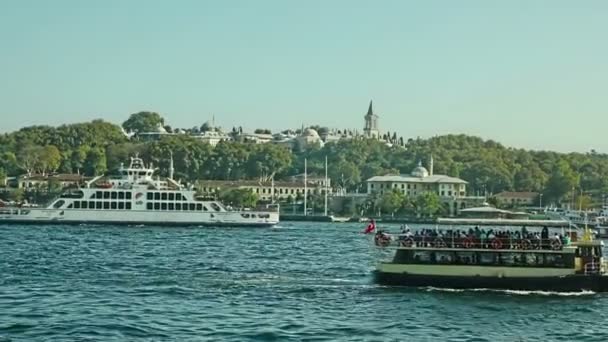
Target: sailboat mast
305 186
325 185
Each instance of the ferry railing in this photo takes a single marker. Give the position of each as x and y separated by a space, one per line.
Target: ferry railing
592 268
469 242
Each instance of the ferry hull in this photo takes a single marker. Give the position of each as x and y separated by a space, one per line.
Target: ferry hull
139 223
569 283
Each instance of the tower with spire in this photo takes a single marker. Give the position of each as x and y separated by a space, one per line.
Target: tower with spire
370 129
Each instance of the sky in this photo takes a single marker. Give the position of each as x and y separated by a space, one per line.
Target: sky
527 73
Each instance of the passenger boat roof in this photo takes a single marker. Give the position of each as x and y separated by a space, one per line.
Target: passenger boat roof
503 222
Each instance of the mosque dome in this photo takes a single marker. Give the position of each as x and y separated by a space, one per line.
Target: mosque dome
420 171
309 132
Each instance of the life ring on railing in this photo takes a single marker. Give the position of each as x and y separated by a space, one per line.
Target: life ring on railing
496 244
439 243
526 244
468 243
382 240
409 242
556 245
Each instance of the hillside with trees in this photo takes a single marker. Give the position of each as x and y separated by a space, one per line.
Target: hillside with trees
97 147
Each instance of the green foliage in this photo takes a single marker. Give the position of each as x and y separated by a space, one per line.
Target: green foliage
241 198
17 195
392 201
427 204
563 179
143 122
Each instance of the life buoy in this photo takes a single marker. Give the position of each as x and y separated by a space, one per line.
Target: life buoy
468 243
526 244
439 243
496 243
556 245
382 240
409 242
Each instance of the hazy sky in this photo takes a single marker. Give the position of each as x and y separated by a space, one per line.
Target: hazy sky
527 73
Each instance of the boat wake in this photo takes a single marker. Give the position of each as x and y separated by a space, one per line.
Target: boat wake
515 292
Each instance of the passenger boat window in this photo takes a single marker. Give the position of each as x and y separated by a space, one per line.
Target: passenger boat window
444 257
128 195
178 206
84 205
91 205
532 259
70 206
77 205
554 260
171 196
192 206
121 195
106 205
113 205
163 206
121 205
171 206
157 196
128 205
163 196
149 206
156 206
149 196
487 258
215 207
199 207
97 205
113 195
507 259
58 204
106 194
205 208
422 256
98 194
465 258
245 215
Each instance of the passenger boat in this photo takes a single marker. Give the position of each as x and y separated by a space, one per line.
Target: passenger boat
135 198
522 260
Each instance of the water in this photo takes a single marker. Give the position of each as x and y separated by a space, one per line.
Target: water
300 282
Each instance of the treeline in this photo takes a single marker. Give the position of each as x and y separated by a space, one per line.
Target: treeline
98 147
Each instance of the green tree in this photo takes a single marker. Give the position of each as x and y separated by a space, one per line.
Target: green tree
563 179
239 198
392 201
95 164
427 204
143 122
49 159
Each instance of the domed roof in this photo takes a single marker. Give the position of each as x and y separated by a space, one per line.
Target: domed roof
420 171
160 128
309 132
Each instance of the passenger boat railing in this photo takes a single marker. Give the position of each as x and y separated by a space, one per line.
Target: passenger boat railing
468 242
592 268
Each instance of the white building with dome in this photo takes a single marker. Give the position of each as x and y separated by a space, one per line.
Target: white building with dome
451 190
309 137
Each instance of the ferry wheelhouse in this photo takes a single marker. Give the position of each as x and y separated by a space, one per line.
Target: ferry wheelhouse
134 197
526 259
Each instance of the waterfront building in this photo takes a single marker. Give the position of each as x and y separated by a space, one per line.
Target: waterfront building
264 190
308 138
41 182
516 199
213 137
158 133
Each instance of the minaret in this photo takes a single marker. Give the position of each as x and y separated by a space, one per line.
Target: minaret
371 123
431 166
171 169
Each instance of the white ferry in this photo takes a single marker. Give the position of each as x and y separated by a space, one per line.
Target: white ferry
522 260
136 198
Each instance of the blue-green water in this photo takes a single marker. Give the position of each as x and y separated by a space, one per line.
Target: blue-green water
300 282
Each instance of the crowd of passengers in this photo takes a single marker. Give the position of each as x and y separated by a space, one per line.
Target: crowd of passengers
482 238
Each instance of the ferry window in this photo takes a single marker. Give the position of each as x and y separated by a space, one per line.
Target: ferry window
215 207
106 205
58 204
199 207
91 205
157 196
149 206
163 196
178 206
113 205
192 206
444 257
507 259
532 259
171 196
205 208
149 196
171 206
70 206
121 205
487 258
465 258
128 205
142 173
76 205
163 206
128 195
97 205
554 260
106 194
93 196
156 206
114 195
84 205
421 256
98 194
121 195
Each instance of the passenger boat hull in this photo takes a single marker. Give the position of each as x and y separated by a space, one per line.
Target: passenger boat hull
568 283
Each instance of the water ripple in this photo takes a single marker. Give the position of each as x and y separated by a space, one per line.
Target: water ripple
299 282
